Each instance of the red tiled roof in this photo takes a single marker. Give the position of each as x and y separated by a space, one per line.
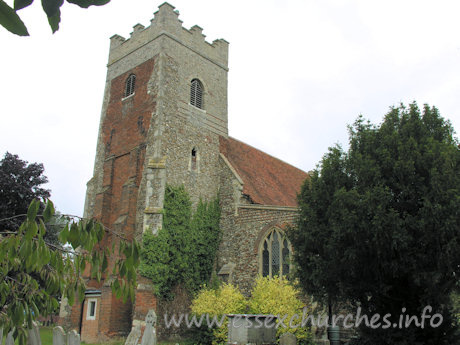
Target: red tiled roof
267 180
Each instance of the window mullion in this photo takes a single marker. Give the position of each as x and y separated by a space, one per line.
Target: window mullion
270 258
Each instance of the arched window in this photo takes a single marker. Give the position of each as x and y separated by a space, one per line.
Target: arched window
130 84
196 94
275 254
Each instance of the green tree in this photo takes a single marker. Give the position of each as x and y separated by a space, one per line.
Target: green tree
379 225
11 21
35 273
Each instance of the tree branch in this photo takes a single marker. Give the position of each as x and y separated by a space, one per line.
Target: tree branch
106 228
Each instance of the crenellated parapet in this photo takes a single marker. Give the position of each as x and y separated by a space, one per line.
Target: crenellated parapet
166 22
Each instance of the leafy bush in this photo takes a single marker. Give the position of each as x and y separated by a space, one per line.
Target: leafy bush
278 296
227 299
275 296
184 250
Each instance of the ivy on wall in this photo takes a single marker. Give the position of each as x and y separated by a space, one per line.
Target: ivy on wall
184 250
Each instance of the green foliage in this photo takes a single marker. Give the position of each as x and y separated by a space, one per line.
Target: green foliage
277 296
227 299
379 225
272 296
11 21
456 303
184 250
34 273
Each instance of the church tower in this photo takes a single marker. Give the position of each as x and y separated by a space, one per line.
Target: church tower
164 110
164 121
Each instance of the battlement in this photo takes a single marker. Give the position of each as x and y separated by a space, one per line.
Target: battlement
166 22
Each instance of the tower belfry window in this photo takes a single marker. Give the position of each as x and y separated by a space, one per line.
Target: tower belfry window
130 84
196 94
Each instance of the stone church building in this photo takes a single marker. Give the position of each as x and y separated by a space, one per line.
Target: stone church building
164 121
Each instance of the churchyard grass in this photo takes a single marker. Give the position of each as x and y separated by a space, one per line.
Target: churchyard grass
115 342
46 335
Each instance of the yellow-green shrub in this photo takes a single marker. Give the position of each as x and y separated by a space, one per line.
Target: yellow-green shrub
227 299
277 296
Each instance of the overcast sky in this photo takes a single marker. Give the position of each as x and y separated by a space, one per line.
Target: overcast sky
300 72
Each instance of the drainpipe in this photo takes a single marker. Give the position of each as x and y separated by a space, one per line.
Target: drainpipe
81 316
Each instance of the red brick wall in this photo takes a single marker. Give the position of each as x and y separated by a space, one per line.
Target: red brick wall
90 328
124 133
120 318
145 299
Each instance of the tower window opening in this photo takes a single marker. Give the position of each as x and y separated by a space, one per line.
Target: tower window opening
196 94
130 84
193 165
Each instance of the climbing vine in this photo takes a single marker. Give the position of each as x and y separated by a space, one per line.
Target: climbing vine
184 250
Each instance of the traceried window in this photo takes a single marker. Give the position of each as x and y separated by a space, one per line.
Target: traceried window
275 254
196 93
130 84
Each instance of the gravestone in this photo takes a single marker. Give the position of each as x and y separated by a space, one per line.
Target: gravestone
134 335
34 335
251 329
288 339
59 337
9 339
150 335
73 338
